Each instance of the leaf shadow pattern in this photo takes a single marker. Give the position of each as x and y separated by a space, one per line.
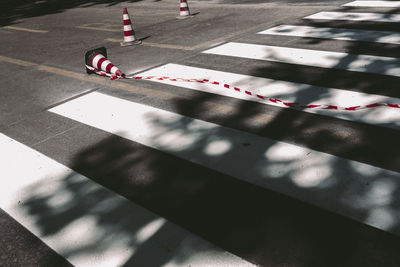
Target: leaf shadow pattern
256 224
105 225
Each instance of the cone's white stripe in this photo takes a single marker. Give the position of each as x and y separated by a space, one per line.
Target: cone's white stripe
374 4
96 59
184 13
125 16
129 38
113 70
335 33
302 173
184 5
44 181
127 27
316 58
287 91
104 64
373 17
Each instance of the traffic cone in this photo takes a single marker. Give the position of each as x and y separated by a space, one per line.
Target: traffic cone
129 33
97 58
184 10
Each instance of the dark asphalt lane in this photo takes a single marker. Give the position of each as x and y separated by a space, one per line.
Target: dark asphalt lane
19 247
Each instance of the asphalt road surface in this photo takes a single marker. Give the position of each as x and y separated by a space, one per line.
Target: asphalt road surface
260 133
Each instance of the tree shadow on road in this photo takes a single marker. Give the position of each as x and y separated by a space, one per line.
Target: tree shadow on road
254 223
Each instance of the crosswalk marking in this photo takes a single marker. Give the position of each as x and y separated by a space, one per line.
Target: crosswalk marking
91 238
282 167
354 16
335 33
373 4
283 90
316 58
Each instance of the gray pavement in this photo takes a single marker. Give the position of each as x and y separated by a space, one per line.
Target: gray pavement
42 65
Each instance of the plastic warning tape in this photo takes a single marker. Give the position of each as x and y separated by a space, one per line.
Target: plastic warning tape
247 92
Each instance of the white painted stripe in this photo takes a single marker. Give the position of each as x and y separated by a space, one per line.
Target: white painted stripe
184 13
347 187
287 91
373 4
125 16
87 223
335 33
374 17
184 4
316 58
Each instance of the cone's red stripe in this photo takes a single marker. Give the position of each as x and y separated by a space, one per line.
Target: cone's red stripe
119 73
128 33
109 67
183 9
127 22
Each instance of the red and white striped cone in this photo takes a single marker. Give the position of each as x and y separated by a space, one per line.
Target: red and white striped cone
184 10
97 58
129 33
100 62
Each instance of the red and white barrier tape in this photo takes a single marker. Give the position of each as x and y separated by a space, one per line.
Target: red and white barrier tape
271 99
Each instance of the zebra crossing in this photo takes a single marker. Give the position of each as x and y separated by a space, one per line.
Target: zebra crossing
257 163
355 16
324 59
363 191
373 4
335 34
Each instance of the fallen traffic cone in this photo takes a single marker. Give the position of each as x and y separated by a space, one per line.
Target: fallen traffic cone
97 58
129 33
184 10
